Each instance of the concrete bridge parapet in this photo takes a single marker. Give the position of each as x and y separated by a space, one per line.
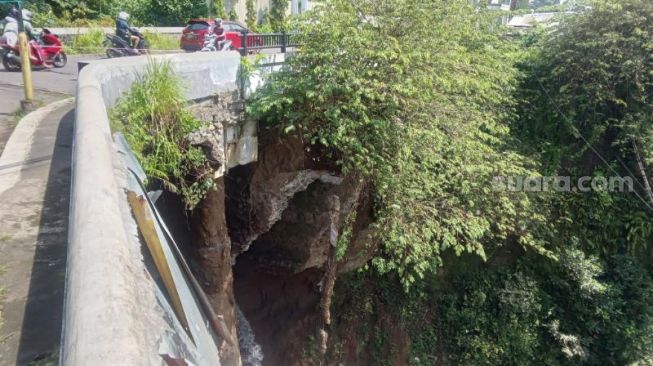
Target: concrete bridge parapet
114 313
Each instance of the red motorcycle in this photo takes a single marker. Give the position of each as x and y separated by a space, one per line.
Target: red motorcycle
48 50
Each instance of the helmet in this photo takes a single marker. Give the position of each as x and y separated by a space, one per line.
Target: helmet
123 15
13 13
27 15
218 21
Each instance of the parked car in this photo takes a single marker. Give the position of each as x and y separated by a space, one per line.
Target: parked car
192 37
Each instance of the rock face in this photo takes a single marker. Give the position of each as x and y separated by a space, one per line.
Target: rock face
276 220
214 259
299 239
212 244
219 113
284 233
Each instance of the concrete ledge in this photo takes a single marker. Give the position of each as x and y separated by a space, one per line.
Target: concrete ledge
111 316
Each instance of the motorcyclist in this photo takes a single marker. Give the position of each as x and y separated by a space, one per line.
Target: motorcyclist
11 33
11 30
11 14
124 31
218 31
27 24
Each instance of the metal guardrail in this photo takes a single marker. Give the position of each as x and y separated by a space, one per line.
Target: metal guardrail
253 42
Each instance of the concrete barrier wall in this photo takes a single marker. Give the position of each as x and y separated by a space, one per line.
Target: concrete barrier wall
111 313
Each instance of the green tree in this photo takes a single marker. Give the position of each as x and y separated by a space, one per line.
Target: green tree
233 15
586 110
250 17
164 12
278 10
427 125
219 10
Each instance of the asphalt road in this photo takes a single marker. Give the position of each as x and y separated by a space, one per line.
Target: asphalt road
49 85
54 80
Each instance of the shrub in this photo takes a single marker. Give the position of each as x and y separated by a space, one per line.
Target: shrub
153 118
90 42
162 42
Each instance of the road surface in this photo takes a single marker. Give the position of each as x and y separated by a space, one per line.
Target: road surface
55 80
49 85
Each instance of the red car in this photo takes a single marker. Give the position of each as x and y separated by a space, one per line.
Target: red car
192 37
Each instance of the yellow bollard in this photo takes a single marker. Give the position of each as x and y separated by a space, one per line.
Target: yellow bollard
26 67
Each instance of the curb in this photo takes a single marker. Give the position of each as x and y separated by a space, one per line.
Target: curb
16 151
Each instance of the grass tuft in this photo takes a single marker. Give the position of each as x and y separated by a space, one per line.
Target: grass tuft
162 42
154 120
87 43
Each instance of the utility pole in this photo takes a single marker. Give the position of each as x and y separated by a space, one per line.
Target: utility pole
25 64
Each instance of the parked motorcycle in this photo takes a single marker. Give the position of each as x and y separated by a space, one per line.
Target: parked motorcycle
48 49
211 44
118 47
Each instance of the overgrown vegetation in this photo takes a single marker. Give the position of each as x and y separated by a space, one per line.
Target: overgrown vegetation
428 125
97 13
578 310
153 117
429 114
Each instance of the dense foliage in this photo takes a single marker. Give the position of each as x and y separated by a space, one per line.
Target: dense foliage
586 107
580 310
427 125
103 12
429 114
156 125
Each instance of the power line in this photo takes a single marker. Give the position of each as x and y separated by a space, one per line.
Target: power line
555 105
